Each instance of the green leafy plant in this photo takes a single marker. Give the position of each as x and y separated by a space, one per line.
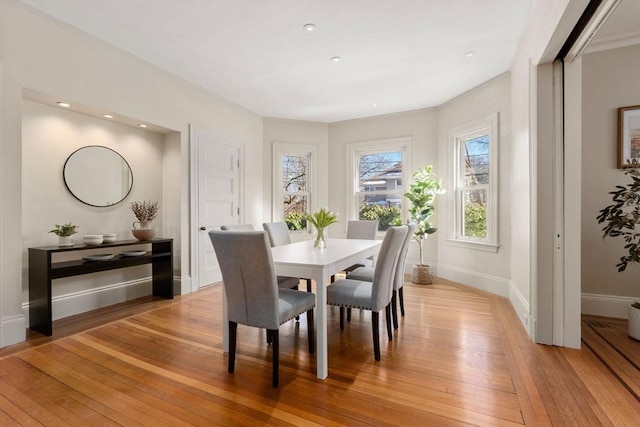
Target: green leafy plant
322 218
423 189
622 218
64 230
296 221
145 211
386 215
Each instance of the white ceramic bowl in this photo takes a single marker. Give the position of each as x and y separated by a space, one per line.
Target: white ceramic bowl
92 239
109 238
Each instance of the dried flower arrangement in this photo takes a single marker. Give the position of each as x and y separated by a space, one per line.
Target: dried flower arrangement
145 211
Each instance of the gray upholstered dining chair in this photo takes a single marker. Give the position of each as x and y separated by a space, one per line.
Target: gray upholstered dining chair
372 295
278 233
251 288
366 273
357 229
285 282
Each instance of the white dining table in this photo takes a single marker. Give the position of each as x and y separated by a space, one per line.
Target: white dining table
301 259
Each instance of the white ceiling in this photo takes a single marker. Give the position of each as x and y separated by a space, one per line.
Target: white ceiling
397 54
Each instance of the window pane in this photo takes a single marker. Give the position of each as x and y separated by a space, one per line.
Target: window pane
475 157
474 203
295 208
380 171
383 207
294 173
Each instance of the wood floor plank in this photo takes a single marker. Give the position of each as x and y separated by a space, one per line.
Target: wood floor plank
460 357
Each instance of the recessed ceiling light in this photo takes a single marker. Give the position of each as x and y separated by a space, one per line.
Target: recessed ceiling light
336 59
142 125
374 105
469 54
64 104
309 27
107 116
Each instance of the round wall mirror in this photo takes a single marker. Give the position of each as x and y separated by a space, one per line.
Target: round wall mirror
97 176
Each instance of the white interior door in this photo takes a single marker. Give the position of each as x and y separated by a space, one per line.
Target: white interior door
217 160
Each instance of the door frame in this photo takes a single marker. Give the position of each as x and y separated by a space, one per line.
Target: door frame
194 199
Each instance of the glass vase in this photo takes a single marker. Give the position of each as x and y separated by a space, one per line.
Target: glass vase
319 241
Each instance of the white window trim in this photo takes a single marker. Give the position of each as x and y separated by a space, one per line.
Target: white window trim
404 144
281 149
487 125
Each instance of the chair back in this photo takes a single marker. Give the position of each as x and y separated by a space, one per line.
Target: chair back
278 233
362 229
399 277
386 264
249 277
237 227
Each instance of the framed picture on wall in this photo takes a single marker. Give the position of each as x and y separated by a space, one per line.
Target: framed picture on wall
629 137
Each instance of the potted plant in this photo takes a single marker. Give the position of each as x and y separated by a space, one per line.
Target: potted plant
423 189
622 219
321 220
145 212
64 233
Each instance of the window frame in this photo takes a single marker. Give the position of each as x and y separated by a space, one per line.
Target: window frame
485 126
281 149
357 149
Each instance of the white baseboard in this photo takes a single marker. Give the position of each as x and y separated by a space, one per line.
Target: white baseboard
91 299
522 307
606 305
13 330
485 282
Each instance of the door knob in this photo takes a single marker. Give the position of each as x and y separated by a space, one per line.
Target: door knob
203 228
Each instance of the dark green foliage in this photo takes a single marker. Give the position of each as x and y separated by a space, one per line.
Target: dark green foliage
386 215
621 218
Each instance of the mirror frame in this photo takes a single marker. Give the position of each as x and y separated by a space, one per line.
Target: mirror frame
64 176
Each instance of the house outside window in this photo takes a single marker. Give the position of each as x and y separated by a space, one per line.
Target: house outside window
293 184
377 177
475 202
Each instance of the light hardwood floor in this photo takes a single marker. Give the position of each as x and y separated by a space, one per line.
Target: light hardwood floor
460 357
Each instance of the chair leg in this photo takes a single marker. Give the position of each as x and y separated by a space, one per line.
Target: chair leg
394 309
310 333
387 311
233 329
269 340
308 285
342 318
376 334
348 315
276 356
401 298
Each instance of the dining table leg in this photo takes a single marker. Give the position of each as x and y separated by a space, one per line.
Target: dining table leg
322 354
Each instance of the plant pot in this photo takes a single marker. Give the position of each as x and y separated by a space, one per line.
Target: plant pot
422 274
65 241
634 322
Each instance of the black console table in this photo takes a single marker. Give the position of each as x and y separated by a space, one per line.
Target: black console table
42 271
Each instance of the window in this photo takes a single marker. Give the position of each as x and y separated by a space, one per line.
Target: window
475 201
292 184
377 180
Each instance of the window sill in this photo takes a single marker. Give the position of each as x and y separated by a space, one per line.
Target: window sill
469 244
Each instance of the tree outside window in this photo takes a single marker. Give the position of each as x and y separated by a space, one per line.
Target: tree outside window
379 194
475 167
295 191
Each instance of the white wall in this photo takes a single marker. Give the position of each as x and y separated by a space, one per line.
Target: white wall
39 54
611 79
49 136
420 125
479 268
